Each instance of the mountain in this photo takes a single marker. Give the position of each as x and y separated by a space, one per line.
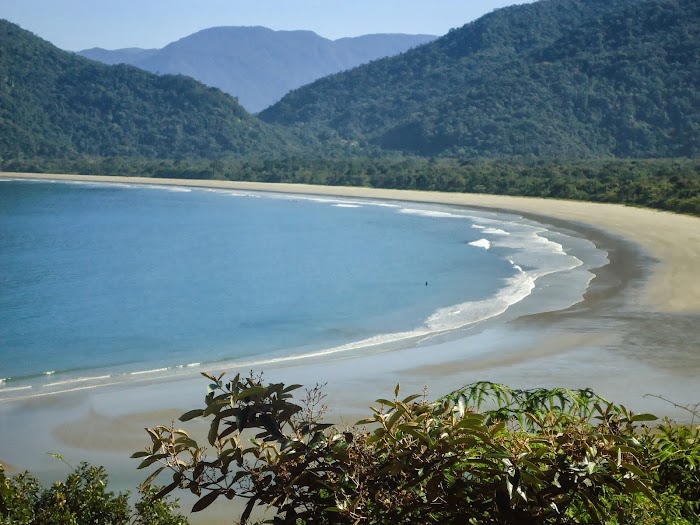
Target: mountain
56 104
256 64
127 55
579 78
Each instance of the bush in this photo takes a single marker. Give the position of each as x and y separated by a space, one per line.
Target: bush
486 454
81 499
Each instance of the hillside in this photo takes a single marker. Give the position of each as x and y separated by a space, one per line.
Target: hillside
576 78
258 65
57 104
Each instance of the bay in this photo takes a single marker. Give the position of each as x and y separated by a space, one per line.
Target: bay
110 282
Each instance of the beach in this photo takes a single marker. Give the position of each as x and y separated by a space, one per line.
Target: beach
635 333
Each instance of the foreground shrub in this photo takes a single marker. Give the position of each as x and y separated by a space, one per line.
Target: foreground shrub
79 500
486 454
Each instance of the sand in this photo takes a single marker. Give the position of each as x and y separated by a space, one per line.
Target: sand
636 332
672 239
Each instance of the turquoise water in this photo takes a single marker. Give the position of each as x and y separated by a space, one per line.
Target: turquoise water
107 283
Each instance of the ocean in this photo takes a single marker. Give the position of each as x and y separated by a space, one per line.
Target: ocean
111 283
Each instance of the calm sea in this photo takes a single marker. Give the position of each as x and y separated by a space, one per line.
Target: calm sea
104 283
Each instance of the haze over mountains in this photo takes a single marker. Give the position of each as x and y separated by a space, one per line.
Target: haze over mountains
256 64
555 78
55 104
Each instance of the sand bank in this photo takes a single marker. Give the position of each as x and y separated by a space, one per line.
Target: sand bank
636 333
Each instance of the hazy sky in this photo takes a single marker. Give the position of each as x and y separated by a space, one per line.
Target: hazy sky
81 24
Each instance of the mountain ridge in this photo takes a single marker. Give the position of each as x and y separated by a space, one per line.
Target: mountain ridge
56 104
501 86
256 64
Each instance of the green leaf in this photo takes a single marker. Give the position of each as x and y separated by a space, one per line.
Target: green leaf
150 460
248 510
167 489
191 414
644 417
252 391
147 482
213 431
204 502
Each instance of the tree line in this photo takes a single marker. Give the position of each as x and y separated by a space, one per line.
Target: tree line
665 184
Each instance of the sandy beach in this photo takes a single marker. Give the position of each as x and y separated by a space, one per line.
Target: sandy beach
636 332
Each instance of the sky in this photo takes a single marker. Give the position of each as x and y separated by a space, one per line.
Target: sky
80 24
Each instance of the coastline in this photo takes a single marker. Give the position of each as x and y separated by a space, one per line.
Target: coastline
634 333
672 239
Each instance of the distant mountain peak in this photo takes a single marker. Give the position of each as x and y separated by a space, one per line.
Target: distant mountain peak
259 65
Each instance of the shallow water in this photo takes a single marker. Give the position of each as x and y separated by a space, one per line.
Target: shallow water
105 283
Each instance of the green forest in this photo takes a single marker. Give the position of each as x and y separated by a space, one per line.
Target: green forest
594 100
54 104
666 184
566 78
590 100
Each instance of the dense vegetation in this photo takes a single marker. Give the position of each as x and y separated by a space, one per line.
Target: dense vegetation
258 65
54 104
568 78
667 184
82 499
485 454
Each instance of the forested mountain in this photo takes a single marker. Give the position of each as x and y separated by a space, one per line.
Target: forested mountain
256 64
552 78
56 104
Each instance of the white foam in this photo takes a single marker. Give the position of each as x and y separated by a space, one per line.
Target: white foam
496 231
78 380
50 372
429 213
189 365
481 243
460 315
445 319
347 206
155 370
325 200
15 389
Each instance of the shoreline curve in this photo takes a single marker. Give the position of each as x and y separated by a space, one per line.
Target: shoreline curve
671 239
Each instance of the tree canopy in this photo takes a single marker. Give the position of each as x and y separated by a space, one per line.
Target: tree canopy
568 78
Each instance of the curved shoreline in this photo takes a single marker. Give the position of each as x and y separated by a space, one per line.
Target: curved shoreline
635 333
671 239
66 381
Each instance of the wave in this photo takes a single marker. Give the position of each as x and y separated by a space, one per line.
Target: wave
77 380
495 231
153 371
189 365
481 243
430 213
527 244
14 389
444 320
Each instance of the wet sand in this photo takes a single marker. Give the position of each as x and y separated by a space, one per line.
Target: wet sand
636 332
